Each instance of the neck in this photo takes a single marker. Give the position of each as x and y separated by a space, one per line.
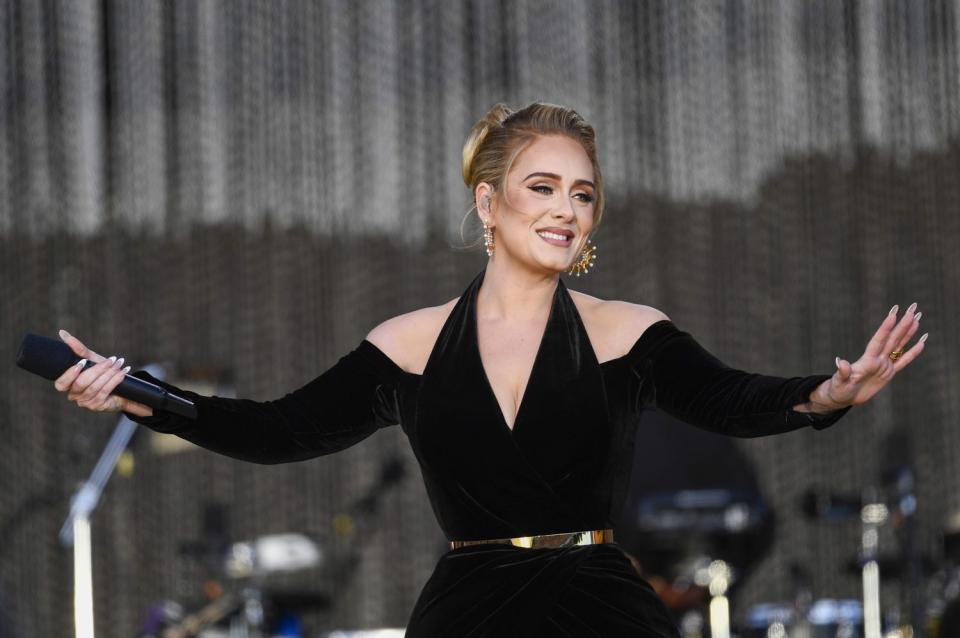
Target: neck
513 293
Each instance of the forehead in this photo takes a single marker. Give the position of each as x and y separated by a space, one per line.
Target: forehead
553 154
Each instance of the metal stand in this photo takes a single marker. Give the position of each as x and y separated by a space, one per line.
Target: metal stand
76 529
82 577
873 515
721 576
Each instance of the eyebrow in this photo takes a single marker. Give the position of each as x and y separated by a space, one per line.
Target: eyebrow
557 177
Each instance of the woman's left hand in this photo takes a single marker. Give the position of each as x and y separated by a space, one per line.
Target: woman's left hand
855 383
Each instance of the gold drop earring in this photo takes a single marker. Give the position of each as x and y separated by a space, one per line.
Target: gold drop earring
487 231
587 257
488 238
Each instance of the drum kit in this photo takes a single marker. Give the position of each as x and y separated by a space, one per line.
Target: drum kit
695 545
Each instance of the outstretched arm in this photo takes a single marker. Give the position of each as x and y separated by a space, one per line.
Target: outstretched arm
344 405
681 377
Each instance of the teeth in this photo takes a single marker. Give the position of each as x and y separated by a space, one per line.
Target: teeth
552 235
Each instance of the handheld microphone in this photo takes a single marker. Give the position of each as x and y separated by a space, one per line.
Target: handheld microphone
50 358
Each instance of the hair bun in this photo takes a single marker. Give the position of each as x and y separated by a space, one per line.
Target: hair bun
492 119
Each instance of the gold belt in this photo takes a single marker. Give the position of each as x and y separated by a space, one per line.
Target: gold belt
565 539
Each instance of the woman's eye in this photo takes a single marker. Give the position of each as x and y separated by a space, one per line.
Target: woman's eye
586 198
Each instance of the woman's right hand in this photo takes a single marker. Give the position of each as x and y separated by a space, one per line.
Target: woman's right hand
90 388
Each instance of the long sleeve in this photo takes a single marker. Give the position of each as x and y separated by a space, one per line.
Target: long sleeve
681 377
344 405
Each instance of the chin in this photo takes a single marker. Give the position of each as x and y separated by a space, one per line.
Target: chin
553 265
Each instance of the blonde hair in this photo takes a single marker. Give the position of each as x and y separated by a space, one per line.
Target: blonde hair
498 137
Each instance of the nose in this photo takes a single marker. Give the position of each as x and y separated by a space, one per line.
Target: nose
565 212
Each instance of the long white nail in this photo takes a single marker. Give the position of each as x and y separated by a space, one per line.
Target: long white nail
924 337
838 362
81 363
113 359
918 315
64 334
126 370
893 310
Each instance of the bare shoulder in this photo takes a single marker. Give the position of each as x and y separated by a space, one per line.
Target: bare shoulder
408 338
612 325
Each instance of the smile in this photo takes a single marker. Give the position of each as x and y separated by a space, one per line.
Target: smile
555 238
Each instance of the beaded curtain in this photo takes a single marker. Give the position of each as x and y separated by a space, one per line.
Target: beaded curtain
249 187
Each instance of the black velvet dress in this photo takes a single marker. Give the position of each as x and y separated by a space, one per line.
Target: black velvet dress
565 465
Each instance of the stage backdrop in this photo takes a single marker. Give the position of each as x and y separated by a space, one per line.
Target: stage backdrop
244 189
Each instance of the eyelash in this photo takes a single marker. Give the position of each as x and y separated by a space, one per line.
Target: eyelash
589 198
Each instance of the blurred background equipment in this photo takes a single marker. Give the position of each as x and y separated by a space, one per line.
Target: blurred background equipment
244 591
696 521
274 553
249 187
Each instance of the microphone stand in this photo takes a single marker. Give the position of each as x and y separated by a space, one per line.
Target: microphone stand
873 514
76 529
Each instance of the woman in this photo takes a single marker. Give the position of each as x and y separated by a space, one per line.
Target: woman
520 399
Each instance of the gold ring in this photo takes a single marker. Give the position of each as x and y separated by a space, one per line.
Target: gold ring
895 354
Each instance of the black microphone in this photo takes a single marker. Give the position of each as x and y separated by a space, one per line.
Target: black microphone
50 358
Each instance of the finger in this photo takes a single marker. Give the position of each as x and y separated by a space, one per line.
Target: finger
843 368
103 398
86 377
896 335
113 382
75 344
90 395
78 390
879 338
79 348
904 360
64 381
912 328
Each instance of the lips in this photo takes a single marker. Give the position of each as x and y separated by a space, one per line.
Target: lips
561 238
560 231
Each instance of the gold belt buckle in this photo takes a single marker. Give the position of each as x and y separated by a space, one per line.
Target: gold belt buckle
563 539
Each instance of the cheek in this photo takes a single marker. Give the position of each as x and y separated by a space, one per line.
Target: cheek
586 218
526 203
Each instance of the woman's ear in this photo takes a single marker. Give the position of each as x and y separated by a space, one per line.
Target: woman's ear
484 201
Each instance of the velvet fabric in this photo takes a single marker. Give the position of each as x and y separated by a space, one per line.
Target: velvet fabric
565 465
